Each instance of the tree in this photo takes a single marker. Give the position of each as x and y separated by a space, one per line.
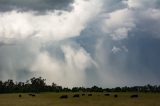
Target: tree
9 86
1 86
38 84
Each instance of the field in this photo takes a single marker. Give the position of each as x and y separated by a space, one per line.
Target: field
98 99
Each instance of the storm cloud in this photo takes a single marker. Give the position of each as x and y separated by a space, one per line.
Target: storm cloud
81 42
37 5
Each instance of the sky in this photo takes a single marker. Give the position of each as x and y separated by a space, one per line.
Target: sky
107 43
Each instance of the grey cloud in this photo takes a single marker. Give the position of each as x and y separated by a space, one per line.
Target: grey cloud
47 58
116 49
139 54
138 63
37 5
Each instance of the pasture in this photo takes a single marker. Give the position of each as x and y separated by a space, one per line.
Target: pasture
97 99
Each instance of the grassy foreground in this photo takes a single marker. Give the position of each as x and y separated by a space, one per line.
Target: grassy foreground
98 99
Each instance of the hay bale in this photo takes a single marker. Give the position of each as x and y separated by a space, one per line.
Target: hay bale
33 95
89 94
134 96
19 95
76 96
83 94
63 96
107 94
115 95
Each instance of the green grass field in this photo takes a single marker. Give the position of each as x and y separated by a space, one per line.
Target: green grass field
98 99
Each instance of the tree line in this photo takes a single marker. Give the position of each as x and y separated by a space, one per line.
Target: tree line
38 85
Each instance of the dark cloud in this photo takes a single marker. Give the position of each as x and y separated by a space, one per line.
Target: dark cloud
118 62
144 50
112 5
1 44
38 5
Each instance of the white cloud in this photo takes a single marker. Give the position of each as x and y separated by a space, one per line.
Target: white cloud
67 64
147 21
69 73
125 48
116 49
136 15
140 3
53 25
118 24
35 30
